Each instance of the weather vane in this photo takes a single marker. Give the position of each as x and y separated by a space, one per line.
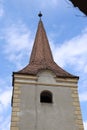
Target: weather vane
40 14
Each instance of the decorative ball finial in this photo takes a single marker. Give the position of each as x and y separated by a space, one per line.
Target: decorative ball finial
40 14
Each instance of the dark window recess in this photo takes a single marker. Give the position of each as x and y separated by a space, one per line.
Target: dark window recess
46 97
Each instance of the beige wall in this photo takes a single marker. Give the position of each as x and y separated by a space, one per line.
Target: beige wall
63 114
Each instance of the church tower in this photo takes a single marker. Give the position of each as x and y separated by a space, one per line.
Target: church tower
45 97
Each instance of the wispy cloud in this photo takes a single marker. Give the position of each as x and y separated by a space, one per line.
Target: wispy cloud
18 41
83 96
5 95
5 103
73 52
85 125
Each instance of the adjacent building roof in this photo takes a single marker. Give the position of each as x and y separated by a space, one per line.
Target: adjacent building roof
81 4
41 56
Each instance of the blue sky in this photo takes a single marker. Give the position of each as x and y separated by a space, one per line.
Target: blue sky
66 29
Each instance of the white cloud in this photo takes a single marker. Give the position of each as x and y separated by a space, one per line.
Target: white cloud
5 95
5 104
5 98
17 37
83 96
85 125
73 52
18 43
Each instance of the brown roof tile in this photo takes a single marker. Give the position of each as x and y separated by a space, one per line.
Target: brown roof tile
41 57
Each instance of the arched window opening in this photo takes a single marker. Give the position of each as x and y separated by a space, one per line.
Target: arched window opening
46 97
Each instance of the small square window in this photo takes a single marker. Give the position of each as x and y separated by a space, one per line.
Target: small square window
46 97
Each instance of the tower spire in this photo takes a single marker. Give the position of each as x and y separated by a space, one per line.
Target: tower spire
41 52
41 55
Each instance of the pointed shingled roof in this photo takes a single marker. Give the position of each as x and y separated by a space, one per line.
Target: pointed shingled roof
41 56
41 52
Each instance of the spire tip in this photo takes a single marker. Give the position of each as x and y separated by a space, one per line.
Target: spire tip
40 14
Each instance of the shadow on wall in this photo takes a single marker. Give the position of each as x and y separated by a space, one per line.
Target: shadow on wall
81 4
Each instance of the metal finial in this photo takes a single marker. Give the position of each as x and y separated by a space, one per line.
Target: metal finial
40 14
